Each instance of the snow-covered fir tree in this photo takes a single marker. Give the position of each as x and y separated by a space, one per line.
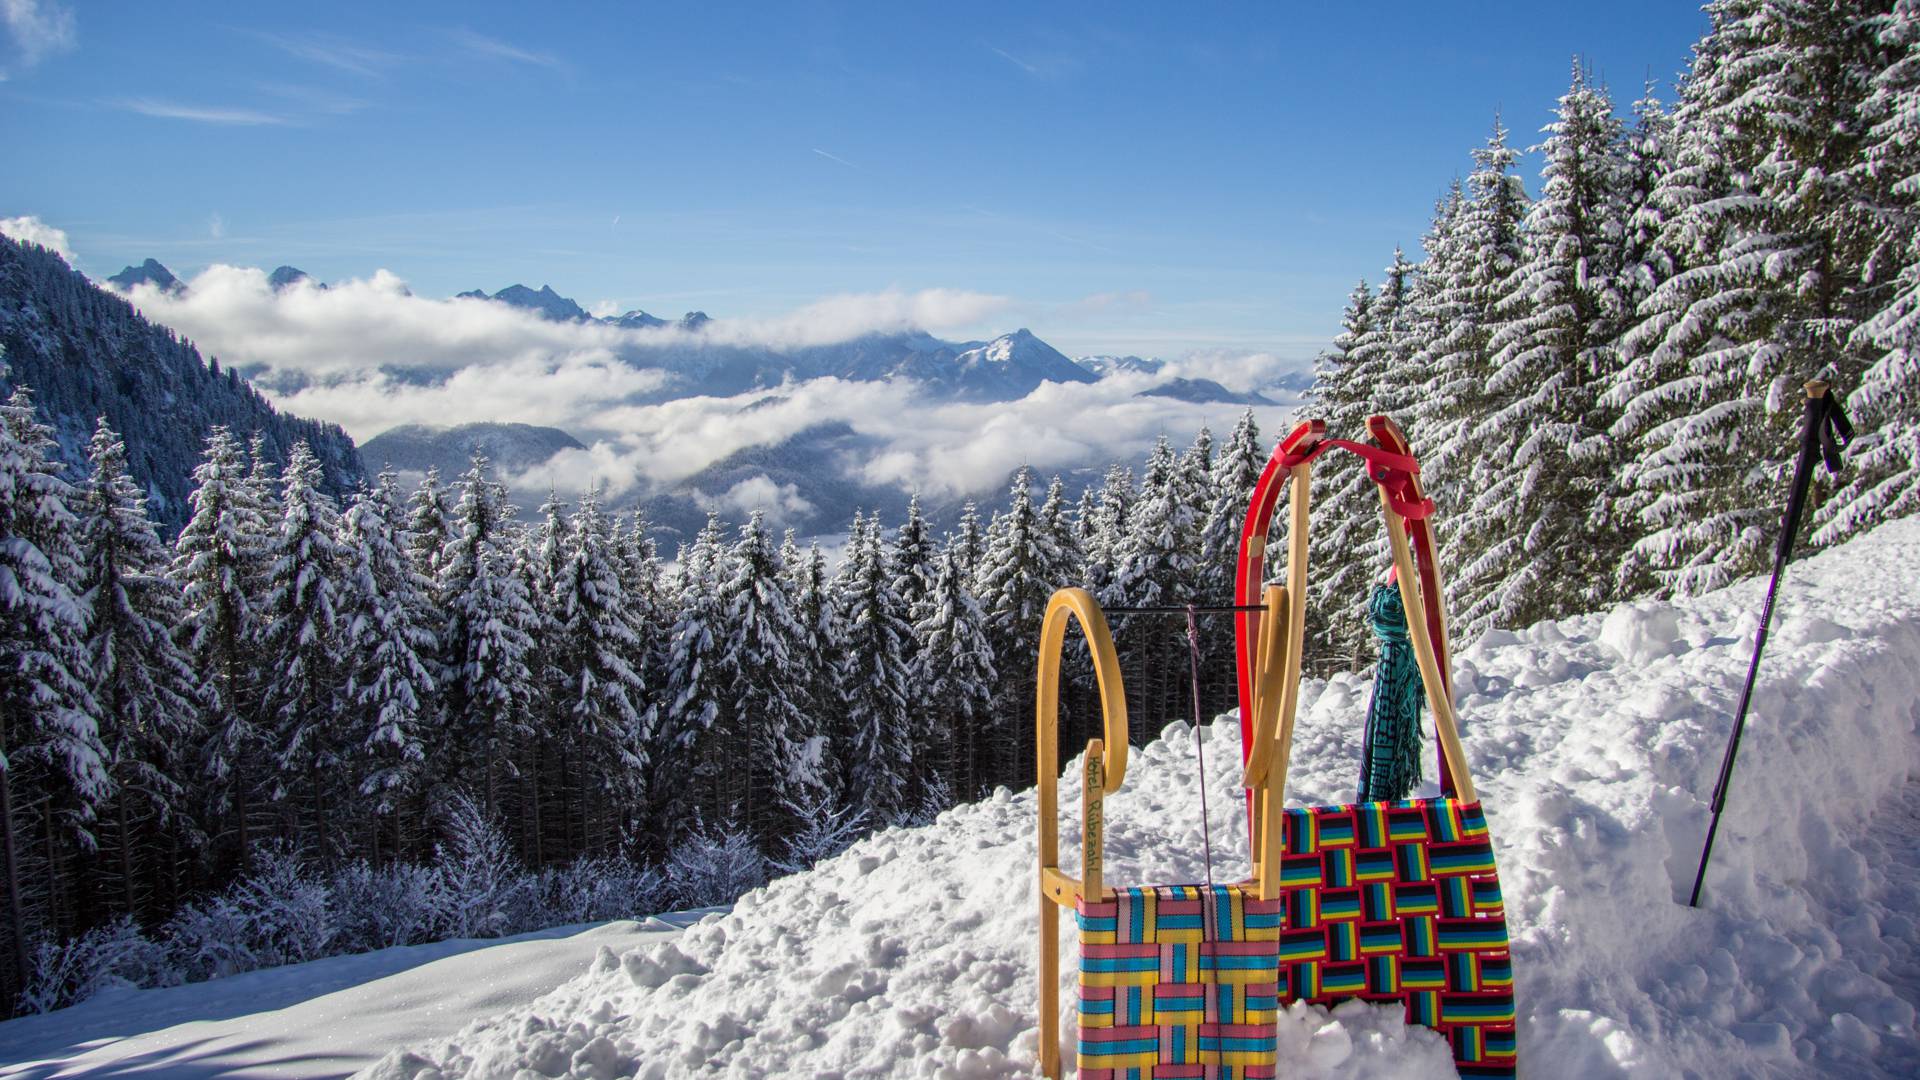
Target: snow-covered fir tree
956 678
1885 403
212 559
695 691
878 738
300 700
1344 548
761 754
818 646
1016 577
387 641
53 768
1541 528
599 708
486 612
1105 530
968 543
429 524
1772 229
143 682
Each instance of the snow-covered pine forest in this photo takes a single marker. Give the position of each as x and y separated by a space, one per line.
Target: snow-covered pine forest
305 728
308 727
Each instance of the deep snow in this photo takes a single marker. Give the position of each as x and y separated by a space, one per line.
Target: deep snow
324 1018
1595 741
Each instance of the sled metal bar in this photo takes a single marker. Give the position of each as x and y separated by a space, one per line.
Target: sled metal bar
1197 609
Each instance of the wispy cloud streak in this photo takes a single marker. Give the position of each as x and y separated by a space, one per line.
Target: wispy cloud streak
202 114
493 48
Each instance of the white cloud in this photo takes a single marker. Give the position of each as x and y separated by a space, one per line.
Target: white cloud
362 324
488 361
840 318
38 30
29 229
780 502
1234 369
216 226
944 449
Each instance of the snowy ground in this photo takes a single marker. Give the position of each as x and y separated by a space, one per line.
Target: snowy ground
1594 740
325 1018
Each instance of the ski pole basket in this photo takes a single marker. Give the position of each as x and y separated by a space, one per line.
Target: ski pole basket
1390 902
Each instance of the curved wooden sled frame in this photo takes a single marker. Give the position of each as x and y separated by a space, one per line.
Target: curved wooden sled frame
1105 769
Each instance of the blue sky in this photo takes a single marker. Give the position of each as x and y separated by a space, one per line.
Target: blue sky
1146 178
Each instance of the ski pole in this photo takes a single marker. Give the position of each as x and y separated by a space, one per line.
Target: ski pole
1823 433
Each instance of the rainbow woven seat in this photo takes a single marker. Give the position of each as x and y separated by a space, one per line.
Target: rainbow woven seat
1397 903
1178 981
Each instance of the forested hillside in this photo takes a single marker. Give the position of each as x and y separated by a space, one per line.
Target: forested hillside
87 353
1604 379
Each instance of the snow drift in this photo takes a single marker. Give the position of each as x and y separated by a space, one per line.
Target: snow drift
1594 741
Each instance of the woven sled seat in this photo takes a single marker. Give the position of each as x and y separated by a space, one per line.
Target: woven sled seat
1178 981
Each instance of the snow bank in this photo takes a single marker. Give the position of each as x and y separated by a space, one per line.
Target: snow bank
1595 742
313 1021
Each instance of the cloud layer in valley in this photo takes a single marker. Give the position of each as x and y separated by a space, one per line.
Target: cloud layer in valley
370 355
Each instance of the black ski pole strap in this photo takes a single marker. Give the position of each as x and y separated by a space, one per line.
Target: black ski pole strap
1835 432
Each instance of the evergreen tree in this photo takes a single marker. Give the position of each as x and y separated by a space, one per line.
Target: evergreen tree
879 732
261 491
1014 583
212 557
1105 531
487 610
601 702
968 543
429 524
695 690
761 754
1884 480
387 641
302 676
51 757
1055 526
1541 529
1478 247
1773 230
912 559
955 673
1343 548
144 685
1154 566
815 649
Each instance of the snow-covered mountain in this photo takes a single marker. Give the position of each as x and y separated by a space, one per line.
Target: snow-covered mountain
147 273
1103 366
285 277
1595 741
545 301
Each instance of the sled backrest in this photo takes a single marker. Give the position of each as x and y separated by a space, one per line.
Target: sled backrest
1407 512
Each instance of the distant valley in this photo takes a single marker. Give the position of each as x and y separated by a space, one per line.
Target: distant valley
811 476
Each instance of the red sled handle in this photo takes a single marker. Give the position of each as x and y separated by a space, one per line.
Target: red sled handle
1409 513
